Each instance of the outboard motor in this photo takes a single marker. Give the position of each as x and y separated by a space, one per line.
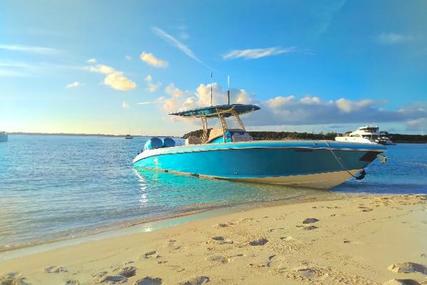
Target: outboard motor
153 143
168 142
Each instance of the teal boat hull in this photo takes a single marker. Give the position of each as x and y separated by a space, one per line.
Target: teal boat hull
314 164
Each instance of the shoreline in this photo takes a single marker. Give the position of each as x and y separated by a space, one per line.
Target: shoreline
350 240
158 222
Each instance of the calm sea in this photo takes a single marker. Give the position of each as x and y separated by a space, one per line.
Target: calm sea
56 186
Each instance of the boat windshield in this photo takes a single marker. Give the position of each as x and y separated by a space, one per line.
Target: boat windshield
370 129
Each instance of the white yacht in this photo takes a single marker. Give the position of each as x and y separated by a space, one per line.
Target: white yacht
3 137
366 134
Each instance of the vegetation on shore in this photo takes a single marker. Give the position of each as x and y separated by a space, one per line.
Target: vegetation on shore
269 135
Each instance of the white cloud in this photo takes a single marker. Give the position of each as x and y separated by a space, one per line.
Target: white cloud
152 60
9 73
295 111
91 61
178 99
177 44
279 101
101 68
310 100
113 78
125 105
173 91
12 68
241 97
159 100
29 49
257 52
118 81
348 106
393 38
151 86
74 84
128 57
419 124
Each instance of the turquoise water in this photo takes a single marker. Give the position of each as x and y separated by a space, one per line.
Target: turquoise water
55 186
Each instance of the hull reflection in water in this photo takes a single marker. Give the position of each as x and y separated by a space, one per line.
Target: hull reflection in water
191 193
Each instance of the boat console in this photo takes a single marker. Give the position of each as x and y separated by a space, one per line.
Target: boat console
230 135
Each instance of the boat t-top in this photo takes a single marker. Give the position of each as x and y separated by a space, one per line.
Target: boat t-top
232 154
366 134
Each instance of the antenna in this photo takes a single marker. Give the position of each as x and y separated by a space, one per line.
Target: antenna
228 91
211 88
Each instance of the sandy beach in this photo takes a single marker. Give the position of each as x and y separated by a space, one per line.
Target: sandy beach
347 240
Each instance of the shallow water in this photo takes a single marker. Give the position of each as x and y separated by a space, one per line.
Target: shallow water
52 186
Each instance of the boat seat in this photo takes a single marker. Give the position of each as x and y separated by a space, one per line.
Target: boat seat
215 133
241 136
232 135
193 140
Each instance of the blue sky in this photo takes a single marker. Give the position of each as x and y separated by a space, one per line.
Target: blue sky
120 66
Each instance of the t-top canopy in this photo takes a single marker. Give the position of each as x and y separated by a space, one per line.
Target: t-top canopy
213 111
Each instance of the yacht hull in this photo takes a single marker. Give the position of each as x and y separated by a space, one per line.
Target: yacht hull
313 164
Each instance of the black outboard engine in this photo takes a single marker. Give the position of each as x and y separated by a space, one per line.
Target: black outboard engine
153 143
168 142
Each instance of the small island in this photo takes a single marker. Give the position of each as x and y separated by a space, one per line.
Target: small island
271 135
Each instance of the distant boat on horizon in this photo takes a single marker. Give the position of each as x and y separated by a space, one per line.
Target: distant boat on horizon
366 134
3 137
128 137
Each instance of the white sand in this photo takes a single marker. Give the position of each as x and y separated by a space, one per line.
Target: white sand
354 241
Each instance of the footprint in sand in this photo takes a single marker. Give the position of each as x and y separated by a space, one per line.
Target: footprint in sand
99 275
70 282
222 240
218 258
270 260
224 225
13 278
126 271
172 244
151 254
55 269
407 267
176 268
310 228
218 238
306 272
287 238
310 221
199 280
258 242
275 229
149 281
262 261
113 279
401 282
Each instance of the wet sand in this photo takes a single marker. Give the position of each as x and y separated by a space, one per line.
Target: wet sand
348 240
